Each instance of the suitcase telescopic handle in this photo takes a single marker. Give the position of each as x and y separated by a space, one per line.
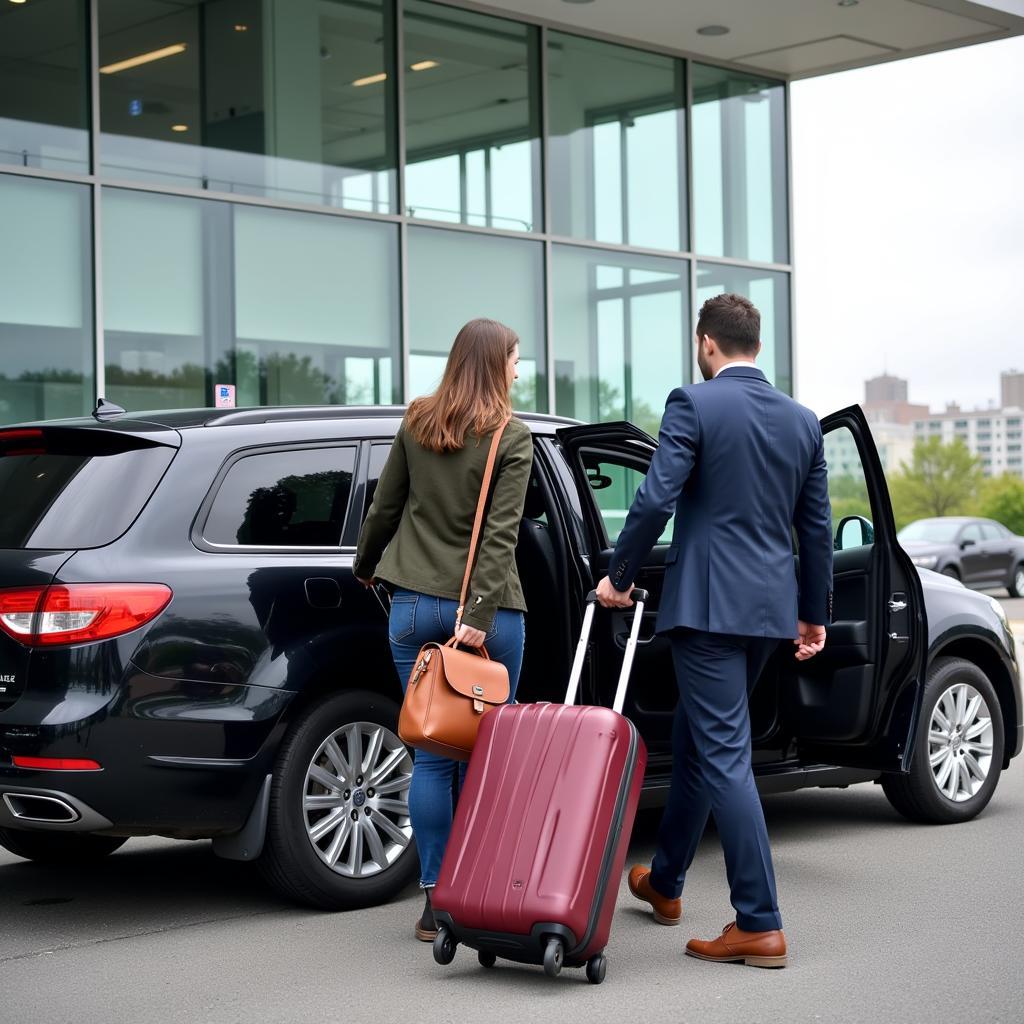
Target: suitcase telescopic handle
640 597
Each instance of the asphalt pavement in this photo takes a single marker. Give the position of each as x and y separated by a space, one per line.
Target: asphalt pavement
887 922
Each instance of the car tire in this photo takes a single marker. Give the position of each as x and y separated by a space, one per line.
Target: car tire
51 847
1016 584
296 859
917 795
952 572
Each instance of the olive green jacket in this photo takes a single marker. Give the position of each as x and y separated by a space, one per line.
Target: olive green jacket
417 532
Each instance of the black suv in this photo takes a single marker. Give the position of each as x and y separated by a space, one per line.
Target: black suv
184 651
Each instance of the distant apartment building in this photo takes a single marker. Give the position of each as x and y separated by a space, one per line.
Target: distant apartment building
994 435
1011 389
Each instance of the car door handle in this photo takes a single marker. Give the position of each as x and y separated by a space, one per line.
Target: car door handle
896 605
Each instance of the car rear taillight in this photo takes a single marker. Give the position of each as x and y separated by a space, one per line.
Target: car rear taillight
79 613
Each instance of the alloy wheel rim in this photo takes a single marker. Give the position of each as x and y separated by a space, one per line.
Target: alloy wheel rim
355 800
960 742
1019 580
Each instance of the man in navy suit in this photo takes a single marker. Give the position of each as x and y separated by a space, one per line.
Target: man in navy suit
741 465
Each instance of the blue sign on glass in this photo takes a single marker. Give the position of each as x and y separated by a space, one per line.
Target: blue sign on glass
135 108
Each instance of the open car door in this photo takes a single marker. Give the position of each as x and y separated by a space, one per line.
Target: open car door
856 703
608 462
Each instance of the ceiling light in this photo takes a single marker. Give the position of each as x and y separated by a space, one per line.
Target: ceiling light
179 127
423 65
371 79
142 58
713 30
17 1
241 28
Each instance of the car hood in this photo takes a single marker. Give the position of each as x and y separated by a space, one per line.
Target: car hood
922 547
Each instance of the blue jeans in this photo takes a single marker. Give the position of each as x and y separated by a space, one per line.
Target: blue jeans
417 619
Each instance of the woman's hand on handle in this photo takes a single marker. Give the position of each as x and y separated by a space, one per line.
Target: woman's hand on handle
469 636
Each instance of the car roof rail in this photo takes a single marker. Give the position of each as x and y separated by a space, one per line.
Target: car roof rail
279 414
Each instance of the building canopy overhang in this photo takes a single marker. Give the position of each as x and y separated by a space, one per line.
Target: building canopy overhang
789 39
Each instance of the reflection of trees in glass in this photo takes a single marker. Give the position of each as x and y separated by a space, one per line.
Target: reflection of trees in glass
51 375
296 510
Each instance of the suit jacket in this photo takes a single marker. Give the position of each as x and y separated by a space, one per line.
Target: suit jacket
741 465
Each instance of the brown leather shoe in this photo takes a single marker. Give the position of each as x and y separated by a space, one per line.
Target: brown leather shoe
666 911
755 949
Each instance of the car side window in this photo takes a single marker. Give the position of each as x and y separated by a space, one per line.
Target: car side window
283 498
971 532
847 491
614 479
991 532
378 456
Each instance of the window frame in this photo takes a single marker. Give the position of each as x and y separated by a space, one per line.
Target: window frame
199 523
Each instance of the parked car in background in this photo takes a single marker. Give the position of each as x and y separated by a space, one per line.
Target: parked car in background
185 652
979 552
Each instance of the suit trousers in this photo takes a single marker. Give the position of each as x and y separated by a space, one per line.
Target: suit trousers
712 774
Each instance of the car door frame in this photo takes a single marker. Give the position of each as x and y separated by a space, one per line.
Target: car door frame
901 657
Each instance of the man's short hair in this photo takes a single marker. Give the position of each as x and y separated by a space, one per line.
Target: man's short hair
733 321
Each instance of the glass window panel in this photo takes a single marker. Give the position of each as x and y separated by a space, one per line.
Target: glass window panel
739 165
46 336
769 291
44 88
455 276
621 334
472 118
319 296
286 98
618 136
292 308
289 498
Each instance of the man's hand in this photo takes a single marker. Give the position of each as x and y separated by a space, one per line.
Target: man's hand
371 582
469 636
609 597
810 640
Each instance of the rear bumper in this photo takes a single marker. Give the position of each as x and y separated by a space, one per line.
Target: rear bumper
179 758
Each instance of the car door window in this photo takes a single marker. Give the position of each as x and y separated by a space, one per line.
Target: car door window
848 491
992 532
614 479
971 532
283 498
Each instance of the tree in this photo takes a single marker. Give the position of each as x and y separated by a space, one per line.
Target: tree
1002 499
941 480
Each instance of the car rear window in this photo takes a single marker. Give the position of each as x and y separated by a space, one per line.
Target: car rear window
284 498
62 491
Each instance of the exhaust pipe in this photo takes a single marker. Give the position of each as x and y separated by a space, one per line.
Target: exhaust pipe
35 807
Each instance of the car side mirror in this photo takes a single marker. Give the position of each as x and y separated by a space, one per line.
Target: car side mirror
966 543
854 532
598 481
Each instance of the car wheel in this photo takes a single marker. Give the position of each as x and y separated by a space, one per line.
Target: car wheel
952 572
338 830
1016 587
958 754
58 847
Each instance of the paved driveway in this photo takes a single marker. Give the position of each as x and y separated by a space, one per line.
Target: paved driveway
888 922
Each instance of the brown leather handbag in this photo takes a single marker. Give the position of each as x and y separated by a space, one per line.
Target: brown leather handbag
450 690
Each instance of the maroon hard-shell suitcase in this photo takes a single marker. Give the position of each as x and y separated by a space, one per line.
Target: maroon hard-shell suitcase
532 868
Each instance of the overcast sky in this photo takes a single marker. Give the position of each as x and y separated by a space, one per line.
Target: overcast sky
908 185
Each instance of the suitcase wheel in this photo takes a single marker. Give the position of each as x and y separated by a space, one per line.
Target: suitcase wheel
553 953
597 967
444 946
486 958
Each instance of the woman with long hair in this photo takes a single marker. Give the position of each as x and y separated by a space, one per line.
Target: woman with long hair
416 539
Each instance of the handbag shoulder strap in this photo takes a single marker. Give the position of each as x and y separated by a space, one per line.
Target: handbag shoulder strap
481 504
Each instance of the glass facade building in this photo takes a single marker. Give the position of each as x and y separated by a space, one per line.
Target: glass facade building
307 198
